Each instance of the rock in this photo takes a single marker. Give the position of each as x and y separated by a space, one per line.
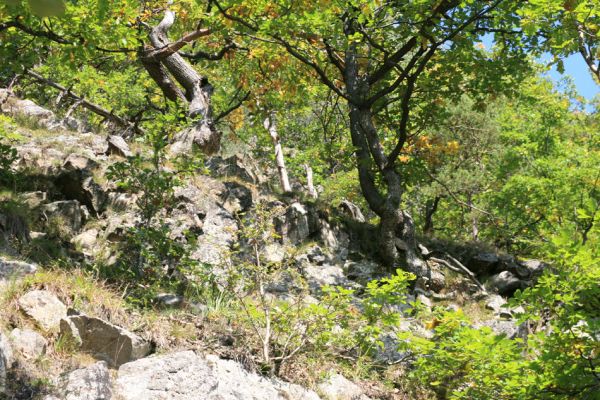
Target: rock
426 301
293 226
187 376
16 107
169 300
219 229
237 197
436 280
33 199
28 343
534 267
495 302
6 361
86 241
507 328
208 140
236 166
76 182
361 271
337 387
117 145
104 340
505 282
68 214
91 383
483 263
11 268
327 274
44 307
352 210
273 253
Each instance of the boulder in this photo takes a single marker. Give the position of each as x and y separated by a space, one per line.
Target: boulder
219 229
352 210
495 303
33 199
69 215
91 383
11 268
236 166
169 300
534 267
104 340
483 263
16 107
28 343
117 145
237 197
505 282
337 387
6 361
187 376
86 241
44 307
293 226
76 182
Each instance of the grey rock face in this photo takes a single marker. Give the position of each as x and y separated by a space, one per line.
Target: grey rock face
219 229
91 383
6 360
118 145
9 269
535 267
44 307
28 343
86 241
483 263
14 106
70 214
352 210
187 376
495 303
236 166
169 300
337 387
293 227
505 282
104 340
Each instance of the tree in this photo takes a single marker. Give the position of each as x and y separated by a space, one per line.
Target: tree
386 60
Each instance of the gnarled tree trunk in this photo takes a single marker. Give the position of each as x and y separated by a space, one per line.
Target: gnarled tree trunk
164 63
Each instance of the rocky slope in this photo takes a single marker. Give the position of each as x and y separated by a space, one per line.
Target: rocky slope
77 214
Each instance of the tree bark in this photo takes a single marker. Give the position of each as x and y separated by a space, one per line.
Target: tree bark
430 209
271 126
309 181
163 59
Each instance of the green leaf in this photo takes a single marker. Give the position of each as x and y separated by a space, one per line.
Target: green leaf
47 8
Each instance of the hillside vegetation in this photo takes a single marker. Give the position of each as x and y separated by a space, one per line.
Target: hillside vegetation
251 199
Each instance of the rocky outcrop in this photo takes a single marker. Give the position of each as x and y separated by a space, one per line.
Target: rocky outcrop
44 307
235 166
91 383
67 215
117 145
187 376
6 361
14 269
337 387
29 344
103 340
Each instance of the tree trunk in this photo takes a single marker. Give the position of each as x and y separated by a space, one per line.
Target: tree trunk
430 209
270 125
198 91
309 181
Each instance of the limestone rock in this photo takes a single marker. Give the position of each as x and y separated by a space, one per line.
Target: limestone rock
219 229
169 300
337 387
91 383
535 267
483 263
293 227
104 340
236 166
352 210
505 282
187 376
28 343
495 303
14 106
44 307
118 145
10 268
6 361
68 212
87 241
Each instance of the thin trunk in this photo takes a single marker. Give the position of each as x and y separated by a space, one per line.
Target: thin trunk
430 209
309 181
271 126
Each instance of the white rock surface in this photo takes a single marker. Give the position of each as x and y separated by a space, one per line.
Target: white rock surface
91 383
28 343
44 307
337 387
187 376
